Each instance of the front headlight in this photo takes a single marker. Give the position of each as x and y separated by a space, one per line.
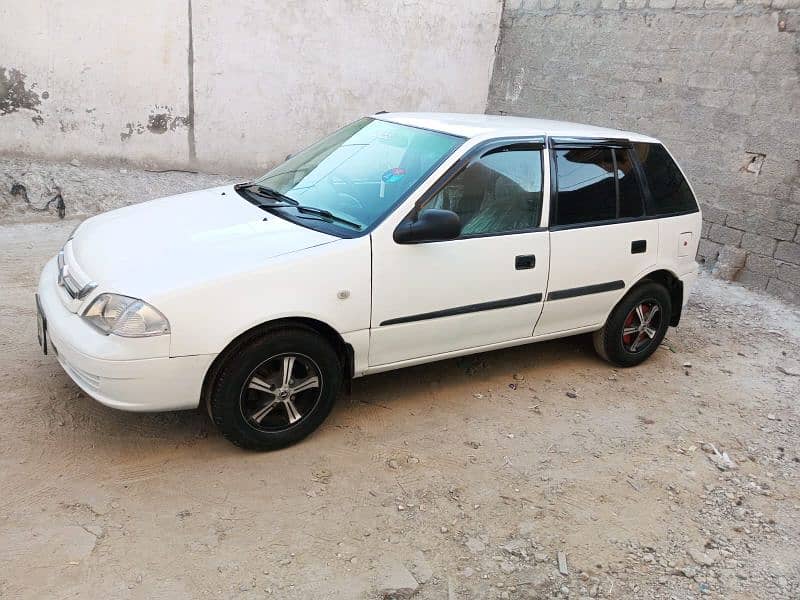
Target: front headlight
125 316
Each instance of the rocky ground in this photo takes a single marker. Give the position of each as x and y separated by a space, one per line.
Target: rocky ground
533 472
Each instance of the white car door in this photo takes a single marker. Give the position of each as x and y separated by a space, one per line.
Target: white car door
486 286
600 242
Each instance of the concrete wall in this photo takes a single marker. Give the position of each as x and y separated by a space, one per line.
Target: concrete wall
716 80
228 85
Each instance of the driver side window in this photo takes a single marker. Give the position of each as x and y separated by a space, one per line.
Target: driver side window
501 192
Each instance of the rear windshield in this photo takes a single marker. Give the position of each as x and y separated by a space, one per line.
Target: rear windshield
669 190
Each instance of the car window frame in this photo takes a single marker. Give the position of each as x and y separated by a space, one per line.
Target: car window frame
555 144
475 153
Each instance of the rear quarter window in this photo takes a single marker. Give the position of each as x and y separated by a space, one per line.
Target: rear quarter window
669 190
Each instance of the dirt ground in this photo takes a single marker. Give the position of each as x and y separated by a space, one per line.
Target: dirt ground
458 479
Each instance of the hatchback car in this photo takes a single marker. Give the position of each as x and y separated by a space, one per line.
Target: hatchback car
397 240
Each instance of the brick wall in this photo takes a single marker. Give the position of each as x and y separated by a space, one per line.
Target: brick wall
717 80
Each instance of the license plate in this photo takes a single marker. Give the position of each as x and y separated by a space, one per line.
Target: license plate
41 326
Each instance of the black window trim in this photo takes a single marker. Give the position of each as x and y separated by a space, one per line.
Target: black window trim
475 153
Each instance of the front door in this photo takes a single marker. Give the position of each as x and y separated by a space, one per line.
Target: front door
482 288
599 242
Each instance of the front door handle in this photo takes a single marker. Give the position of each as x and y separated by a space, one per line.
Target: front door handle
525 261
639 247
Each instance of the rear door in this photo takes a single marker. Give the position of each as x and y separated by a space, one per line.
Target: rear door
600 240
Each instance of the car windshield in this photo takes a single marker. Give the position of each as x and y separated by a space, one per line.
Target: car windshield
356 175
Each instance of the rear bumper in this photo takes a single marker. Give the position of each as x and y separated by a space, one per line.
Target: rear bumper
144 384
688 280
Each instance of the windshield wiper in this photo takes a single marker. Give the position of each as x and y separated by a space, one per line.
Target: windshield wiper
282 200
266 192
313 210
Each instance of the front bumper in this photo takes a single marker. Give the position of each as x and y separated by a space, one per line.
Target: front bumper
104 366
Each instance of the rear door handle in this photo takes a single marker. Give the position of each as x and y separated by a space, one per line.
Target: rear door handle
639 247
525 261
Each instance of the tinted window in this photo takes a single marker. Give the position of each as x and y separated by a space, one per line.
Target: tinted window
500 192
630 192
669 190
587 190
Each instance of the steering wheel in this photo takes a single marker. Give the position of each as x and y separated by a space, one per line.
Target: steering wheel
337 181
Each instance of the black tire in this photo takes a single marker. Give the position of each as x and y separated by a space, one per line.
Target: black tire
631 349
240 393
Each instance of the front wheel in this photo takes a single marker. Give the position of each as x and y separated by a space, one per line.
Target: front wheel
636 326
275 388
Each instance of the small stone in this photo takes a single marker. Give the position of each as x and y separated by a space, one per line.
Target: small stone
401 507
688 365
397 583
516 547
413 460
477 396
571 394
519 377
562 563
75 162
392 464
705 559
565 590
772 417
443 529
507 567
421 568
540 557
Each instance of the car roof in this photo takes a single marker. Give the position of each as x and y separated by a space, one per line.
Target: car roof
490 126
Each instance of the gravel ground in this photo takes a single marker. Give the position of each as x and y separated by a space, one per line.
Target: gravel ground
467 478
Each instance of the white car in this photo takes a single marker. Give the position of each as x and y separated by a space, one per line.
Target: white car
400 239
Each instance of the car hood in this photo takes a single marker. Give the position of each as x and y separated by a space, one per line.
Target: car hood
153 247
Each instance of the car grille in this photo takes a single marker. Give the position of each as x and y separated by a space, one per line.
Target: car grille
70 276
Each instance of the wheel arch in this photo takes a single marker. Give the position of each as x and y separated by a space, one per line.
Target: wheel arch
343 349
674 286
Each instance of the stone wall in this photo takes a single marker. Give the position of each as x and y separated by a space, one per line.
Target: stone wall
716 80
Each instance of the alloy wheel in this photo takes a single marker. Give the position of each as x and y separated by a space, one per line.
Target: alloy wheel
641 326
280 392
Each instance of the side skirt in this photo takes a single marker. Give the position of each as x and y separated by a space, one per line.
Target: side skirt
474 350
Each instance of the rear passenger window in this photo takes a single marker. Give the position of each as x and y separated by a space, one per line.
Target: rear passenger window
669 190
587 190
597 184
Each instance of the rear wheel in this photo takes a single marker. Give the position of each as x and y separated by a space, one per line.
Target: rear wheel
275 388
636 326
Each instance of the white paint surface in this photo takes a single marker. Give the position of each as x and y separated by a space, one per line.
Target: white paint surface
269 78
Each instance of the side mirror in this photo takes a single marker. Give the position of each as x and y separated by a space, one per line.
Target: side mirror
430 225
